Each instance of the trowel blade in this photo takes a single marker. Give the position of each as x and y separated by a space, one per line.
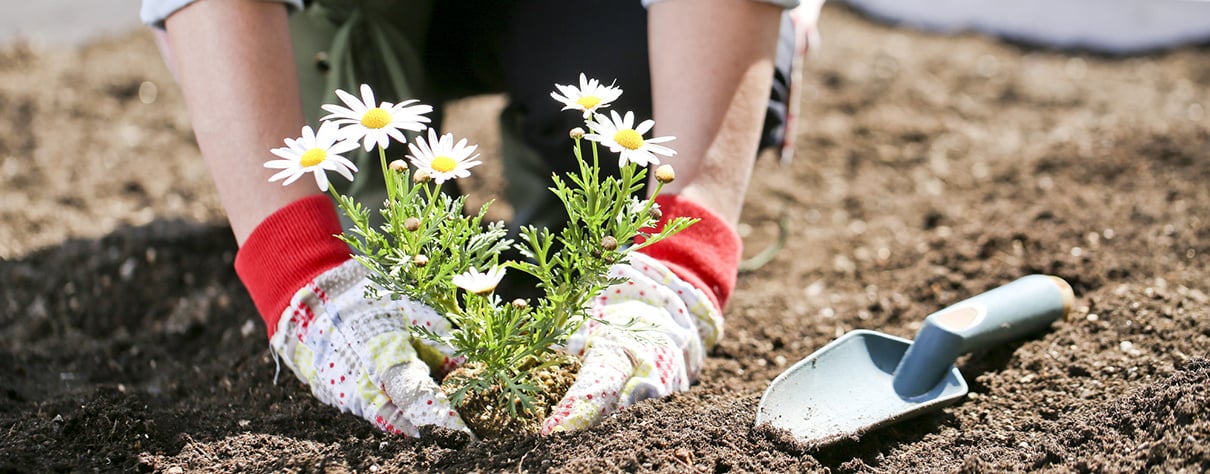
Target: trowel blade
844 390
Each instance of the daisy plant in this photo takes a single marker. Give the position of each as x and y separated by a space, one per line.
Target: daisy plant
431 250
588 98
315 153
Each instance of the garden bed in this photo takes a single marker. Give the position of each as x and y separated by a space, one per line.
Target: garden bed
928 169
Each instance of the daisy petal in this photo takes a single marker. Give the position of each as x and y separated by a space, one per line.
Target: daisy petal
321 179
338 169
281 174
285 153
355 105
367 96
343 146
293 177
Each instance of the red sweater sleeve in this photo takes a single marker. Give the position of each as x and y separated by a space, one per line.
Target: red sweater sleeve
286 251
706 254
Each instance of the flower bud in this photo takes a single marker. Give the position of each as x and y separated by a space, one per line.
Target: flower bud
420 260
609 243
665 174
422 176
520 303
411 224
576 133
398 166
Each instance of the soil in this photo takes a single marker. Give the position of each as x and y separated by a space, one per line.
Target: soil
929 169
489 418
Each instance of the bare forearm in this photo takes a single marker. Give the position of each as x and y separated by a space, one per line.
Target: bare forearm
234 62
711 68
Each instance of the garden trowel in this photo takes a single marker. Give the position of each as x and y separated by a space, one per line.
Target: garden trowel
867 379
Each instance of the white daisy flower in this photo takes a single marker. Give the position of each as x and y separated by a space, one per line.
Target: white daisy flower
480 283
313 152
590 96
442 158
621 136
376 125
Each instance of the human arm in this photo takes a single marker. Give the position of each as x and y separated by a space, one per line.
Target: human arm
235 67
726 48
234 62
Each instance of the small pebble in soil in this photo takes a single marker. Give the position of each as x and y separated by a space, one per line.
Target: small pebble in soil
126 270
683 455
247 329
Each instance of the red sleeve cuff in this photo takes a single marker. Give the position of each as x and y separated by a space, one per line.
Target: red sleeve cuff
706 254
287 250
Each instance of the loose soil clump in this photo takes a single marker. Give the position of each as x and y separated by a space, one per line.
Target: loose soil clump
482 413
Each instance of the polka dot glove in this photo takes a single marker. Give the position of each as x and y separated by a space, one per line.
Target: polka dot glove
674 324
356 353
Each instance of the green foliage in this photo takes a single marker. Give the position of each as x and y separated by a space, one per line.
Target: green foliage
426 239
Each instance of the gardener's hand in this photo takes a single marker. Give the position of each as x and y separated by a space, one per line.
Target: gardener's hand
357 355
671 325
354 352
673 294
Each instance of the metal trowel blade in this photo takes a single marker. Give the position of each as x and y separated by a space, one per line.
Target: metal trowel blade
844 390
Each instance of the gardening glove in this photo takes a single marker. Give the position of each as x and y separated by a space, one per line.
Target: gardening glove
355 353
657 324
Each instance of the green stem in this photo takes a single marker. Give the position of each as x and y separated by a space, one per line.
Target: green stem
596 161
651 200
431 192
386 173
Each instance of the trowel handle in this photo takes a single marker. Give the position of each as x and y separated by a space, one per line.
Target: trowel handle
1010 311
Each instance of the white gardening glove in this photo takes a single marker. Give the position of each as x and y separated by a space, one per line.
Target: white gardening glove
675 323
356 353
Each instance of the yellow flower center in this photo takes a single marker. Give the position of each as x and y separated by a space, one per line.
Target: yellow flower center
313 157
628 138
443 164
376 118
588 101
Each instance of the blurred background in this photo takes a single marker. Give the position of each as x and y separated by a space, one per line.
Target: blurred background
1112 26
65 22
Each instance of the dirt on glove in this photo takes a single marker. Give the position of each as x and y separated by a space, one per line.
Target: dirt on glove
928 169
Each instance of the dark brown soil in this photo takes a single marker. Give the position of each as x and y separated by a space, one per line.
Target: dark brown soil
929 169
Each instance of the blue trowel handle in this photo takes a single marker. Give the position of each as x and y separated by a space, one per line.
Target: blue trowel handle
1010 311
